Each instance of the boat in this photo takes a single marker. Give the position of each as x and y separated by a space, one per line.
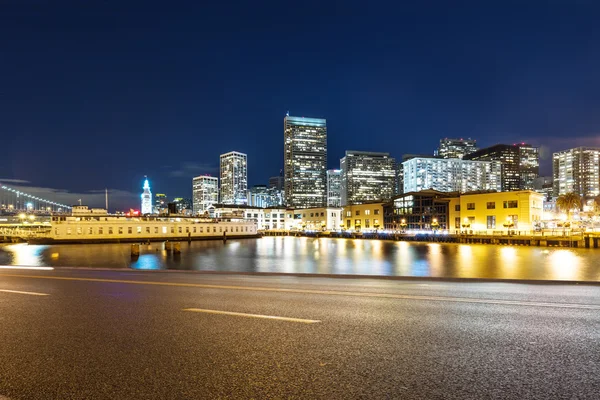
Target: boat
95 225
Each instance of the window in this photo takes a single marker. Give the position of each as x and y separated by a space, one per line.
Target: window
376 212
220 229
139 229
376 223
164 229
187 229
110 230
357 213
367 224
100 231
201 230
491 221
357 222
236 229
367 212
511 204
515 220
56 231
90 231
491 205
215 229
172 229
68 231
147 229
130 230
470 206
322 214
348 213
348 223
179 230
120 230
312 215
194 229
457 208
457 222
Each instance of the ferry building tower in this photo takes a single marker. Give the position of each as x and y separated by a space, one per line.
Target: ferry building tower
146 199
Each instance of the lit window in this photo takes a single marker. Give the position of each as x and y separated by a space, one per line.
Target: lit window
139 229
164 230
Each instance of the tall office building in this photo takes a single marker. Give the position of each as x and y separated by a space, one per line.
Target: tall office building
451 175
305 162
234 178
276 182
146 199
456 148
205 193
520 164
577 170
334 188
367 176
160 203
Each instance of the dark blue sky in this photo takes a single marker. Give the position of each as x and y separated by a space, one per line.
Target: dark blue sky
98 95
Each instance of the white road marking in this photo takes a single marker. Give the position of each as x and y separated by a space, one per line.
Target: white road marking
237 314
20 292
26 268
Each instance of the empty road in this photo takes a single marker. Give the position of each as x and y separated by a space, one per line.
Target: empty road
93 334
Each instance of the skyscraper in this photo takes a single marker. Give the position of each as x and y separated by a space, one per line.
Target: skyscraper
305 162
146 198
367 176
334 188
160 203
520 164
456 148
205 192
234 178
577 170
451 175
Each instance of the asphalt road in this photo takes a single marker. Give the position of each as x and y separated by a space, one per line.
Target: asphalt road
132 335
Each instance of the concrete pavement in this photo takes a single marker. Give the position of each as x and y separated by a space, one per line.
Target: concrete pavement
122 335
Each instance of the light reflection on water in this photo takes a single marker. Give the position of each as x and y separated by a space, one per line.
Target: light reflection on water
326 256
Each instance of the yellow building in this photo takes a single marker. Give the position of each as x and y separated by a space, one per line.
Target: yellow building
496 211
313 219
367 217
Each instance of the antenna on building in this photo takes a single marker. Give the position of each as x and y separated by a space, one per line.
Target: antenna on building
287 114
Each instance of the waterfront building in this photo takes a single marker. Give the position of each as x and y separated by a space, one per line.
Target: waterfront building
146 199
234 178
418 210
265 218
520 164
367 176
305 162
160 203
314 219
366 217
205 192
482 213
456 148
451 175
485 213
334 187
577 170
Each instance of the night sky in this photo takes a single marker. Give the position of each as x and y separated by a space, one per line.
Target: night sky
99 95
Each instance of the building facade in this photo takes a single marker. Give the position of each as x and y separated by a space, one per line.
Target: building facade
160 203
367 176
205 192
366 217
520 164
314 219
334 187
418 211
451 175
577 170
456 148
487 212
234 178
305 162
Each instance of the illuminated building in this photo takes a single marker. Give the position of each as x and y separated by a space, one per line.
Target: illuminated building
451 175
577 170
146 199
234 178
520 164
205 192
314 219
183 206
367 176
276 182
334 187
265 218
366 217
305 161
456 148
160 203
481 213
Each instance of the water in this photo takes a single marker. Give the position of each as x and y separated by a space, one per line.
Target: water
325 256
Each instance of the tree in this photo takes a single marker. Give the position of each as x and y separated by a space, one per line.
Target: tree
567 202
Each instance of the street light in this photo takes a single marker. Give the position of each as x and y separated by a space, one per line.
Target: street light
403 224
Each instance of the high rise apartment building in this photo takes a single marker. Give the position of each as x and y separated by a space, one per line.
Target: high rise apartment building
205 193
305 162
577 170
334 187
456 148
234 178
367 176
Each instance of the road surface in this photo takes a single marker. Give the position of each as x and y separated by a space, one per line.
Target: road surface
83 334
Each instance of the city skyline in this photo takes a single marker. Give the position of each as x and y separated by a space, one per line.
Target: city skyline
123 104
